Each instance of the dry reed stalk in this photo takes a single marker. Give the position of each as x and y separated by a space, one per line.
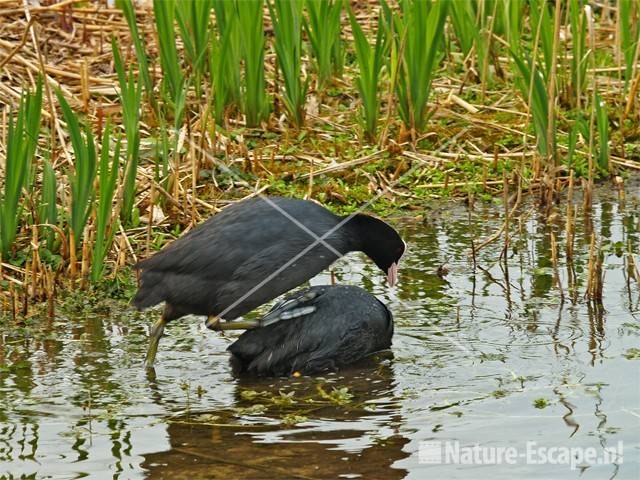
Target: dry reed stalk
84 85
121 257
194 182
505 200
587 195
594 271
633 91
152 196
570 221
36 265
72 257
310 186
484 177
85 266
554 263
12 300
619 183
50 291
25 303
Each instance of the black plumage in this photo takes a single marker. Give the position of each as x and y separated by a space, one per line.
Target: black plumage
319 328
252 252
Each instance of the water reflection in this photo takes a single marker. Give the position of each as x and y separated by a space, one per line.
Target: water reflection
360 438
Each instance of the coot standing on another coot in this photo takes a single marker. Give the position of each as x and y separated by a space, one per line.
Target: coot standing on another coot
252 252
316 329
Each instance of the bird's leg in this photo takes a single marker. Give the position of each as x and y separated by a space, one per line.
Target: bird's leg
238 325
154 338
214 323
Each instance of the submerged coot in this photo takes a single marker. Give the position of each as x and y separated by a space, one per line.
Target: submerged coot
320 328
252 252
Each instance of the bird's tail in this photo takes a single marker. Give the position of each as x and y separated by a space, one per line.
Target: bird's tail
149 292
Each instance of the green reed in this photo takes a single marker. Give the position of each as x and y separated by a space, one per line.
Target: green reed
174 79
629 31
194 20
542 34
83 174
579 52
512 15
370 61
255 101
323 29
22 141
141 53
531 81
473 28
130 100
225 59
48 207
420 25
105 216
465 27
602 124
286 17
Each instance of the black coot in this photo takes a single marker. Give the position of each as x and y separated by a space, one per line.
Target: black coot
319 328
252 252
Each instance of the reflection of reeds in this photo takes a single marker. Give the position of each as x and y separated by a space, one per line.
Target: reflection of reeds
554 263
632 268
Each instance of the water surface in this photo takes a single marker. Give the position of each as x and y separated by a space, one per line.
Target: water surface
498 357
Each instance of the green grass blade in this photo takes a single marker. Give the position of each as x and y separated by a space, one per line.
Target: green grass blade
286 17
541 18
83 175
225 59
48 208
539 99
141 53
169 59
580 55
421 25
107 182
602 122
322 26
629 35
193 18
22 141
130 99
255 101
370 63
